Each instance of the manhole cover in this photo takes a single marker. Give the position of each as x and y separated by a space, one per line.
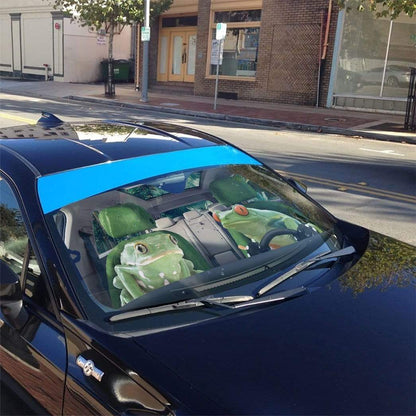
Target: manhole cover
334 119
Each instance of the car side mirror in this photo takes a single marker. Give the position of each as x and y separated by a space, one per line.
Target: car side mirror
11 297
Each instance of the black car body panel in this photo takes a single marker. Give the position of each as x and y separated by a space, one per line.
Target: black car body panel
341 349
56 151
345 345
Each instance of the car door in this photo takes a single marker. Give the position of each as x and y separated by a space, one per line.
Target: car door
32 352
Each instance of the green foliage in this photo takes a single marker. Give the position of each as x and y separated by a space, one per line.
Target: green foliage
355 42
11 224
109 13
381 8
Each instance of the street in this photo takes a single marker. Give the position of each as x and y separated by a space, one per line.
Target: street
368 182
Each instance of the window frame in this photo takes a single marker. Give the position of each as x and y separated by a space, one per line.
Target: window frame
230 25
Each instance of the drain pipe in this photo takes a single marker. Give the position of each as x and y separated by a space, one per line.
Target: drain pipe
323 49
328 21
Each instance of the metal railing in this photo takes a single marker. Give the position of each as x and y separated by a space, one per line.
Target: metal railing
410 117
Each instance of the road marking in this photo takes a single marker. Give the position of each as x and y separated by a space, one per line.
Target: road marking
343 186
386 152
17 118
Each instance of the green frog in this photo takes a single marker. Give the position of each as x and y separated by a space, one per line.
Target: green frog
152 261
255 223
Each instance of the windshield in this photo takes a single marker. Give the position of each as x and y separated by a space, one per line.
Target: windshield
187 234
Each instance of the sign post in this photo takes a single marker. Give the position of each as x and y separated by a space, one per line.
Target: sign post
145 38
217 49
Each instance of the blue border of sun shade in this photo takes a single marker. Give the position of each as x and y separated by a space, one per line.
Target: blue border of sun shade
63 188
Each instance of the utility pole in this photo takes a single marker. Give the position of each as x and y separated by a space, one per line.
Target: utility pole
145 37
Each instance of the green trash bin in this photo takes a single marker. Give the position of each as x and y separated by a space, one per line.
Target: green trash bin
121 68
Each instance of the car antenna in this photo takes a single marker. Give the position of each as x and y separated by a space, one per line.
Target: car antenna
49 120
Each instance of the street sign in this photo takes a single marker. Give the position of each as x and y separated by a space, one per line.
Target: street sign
221 31
145 33
217 49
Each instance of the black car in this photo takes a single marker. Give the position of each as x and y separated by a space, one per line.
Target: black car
151 269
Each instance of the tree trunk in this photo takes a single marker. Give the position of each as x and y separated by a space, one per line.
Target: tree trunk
110 90
110 42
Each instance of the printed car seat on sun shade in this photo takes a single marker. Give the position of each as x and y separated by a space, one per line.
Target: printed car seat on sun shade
237 190
239 195
124 220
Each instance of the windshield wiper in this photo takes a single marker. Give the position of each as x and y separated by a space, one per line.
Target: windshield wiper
239 301
228 302
253 300
304 265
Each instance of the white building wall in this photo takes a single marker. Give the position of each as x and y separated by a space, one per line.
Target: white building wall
73 53
36 42
5 43
84 50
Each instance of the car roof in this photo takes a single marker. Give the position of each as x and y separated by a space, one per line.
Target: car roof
58 146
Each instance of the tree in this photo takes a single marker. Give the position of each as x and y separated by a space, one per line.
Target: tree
109 14
382 8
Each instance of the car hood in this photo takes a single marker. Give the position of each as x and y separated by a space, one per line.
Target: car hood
345 348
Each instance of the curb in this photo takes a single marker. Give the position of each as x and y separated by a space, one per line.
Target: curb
358 134
256 121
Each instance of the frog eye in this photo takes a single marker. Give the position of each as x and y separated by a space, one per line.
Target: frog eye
141 248
216 217
241 210
173 240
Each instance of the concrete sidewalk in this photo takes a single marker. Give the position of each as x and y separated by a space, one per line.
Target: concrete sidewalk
336 121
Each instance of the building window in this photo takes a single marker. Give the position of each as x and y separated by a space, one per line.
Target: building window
179 21
375 56
237 16
241 43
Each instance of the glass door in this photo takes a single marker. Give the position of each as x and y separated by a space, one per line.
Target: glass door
177 53
178 57
189 75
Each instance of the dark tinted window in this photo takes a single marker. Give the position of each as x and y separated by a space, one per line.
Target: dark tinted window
180 21
238 16
16 251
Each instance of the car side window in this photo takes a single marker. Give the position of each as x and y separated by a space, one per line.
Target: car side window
16 250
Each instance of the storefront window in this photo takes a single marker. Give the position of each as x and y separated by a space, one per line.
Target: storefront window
375 56
240 49
237 16
179 21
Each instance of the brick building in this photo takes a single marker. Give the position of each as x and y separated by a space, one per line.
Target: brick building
295 52
274 50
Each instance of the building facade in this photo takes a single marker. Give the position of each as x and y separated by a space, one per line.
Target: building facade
273 50
36 41
299 52
295 52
